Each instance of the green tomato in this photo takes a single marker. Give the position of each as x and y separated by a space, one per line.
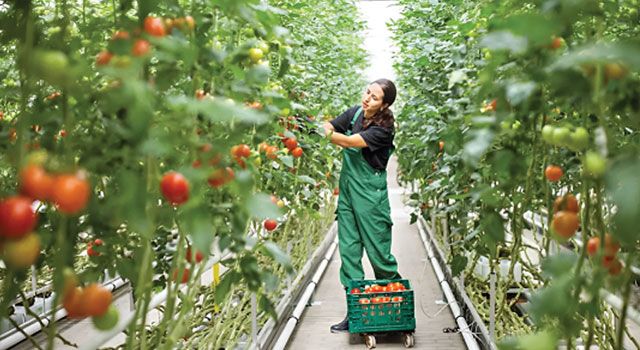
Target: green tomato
516 125
594 164
505 125
108 320
264 47
580 138
51 66
255 54
561 136
547 133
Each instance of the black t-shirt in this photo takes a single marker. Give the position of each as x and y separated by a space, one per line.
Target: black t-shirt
379 139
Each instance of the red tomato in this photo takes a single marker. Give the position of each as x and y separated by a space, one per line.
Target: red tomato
72 301
70 193
441 145
565 223
200 94
615 268
221 177
140 48
397 299
291 144
377 300
186 273
120 35
96 300
364 301
198 256
154 26
90 245
16 217
190 22
355 291
270 224
297 152
175 188
386 299
376 288
556 43
271 152
103 58
567 202
553 173
241 151
35 182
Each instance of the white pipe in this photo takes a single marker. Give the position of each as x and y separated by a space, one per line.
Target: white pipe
283 338
466 333
34 327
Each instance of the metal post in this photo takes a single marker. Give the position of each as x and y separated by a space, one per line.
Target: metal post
492 306
254 320
433 222
34 280
445 230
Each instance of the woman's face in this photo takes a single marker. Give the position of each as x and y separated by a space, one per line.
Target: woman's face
372 99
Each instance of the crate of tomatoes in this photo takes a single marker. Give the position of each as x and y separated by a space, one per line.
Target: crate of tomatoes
380 306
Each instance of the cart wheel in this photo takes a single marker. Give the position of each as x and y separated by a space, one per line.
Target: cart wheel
409 341
370 341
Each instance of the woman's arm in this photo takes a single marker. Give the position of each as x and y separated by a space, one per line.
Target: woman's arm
348 141
343 140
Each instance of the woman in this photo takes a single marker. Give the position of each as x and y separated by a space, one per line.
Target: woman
366 133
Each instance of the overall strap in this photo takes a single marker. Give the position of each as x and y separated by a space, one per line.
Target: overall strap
353 121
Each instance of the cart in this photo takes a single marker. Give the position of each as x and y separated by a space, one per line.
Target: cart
381 306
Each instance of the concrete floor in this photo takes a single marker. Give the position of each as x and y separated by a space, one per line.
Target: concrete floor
328 304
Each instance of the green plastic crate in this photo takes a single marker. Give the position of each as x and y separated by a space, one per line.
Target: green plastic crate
382 316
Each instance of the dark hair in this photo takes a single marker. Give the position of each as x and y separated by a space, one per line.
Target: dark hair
384 117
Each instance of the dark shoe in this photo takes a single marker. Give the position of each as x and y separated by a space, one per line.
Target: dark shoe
341 327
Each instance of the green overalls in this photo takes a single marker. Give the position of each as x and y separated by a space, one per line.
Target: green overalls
364 217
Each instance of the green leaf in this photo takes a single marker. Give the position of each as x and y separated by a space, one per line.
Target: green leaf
196 223
458 264
623 186
475 149
504 40
267 306
216 109
261 207
623 52
307 179
287 160
519 92
559 265
223 288
272 250
457 76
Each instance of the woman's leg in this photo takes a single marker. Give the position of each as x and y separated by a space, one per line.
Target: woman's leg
349 241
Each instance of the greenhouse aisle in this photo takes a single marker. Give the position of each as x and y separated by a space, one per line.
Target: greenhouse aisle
328 304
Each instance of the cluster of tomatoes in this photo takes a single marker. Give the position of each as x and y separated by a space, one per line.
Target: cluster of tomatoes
565 221
92 301
18 218
376 289
562 136
139 46
609 253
